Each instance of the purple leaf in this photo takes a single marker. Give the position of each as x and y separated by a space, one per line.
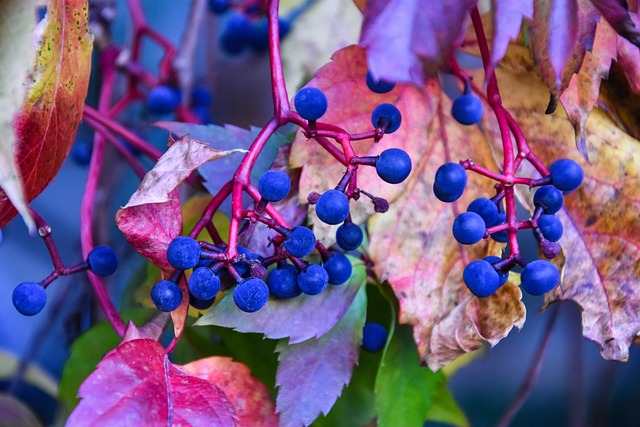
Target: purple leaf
507 19
299 319
135 384
617 15
151 330
311 374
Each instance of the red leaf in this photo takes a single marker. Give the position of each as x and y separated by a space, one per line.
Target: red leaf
629 60
52 108
251 399
617 14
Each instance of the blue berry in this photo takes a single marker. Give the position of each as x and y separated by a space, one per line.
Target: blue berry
386 114
259 36
539 277
313 279
501 236
163 100
274 185
218 6
378 86
202 113
487 209
332 207
467 109
468 228
244 267
200 304
450 181
283 282
201 97
81 152
29 298
393 165
236 34
311 103
204 284
550 198
339 268
166 295
504 276
349 236
481 278
374 337
102 261
550 227
251 295
183 253
566 175
300 241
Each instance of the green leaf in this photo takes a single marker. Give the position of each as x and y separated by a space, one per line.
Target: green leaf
445 409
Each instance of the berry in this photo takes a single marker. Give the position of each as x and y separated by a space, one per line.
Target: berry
236 34
487 209
259 36
283 282
183 253
29 298
566 175
393 165
539 277
451 179
200 304
332 207
274 185
300 241
311 103
218 6
163 99
550 198
349 236
201 97
166 295
492 259
386 114
374 337
339 268
313 279
102 261
204 284
202 113
244 267
550 227
81 152
251 295
468 228
481 278
467 109
501 236
378 86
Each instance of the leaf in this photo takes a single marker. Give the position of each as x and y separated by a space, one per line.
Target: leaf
49 88
410 40
311 374
616 13
251 399
350 107
299 319
151 330
137 382
15 413
629 59
507 19
444 408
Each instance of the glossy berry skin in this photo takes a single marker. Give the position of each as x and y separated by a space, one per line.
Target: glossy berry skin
378 86
450 181
313 279
300 242
349 236
102 261
283 282
566 175
218 6
235 37
374 337
487 209
166 295
204 284
492 259
311 103
183 253
468 228
550 227
339 268
501 236
539 277
332 207
393 165
550 198
389 114
274 185
81 152
29 298
251 295
481 278
163 99
467 109
200 304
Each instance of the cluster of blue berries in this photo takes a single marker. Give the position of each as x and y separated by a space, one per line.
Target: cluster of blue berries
164 99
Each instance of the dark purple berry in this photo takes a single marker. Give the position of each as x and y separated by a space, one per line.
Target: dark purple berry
468 228
251 295
386 115
313 279
204 284
378 86
393 165
166 295
339 268
487 209
550 227
300 241
163 99
102 261
550 198
310 103
283 282
481 278
274 185
183 253
29 298
374 337
566 175
332 207
349 236
467 109
504 276
450 181
539 277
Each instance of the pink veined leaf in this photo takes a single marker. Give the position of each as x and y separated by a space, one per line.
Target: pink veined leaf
507 19
151 330
617 15
629 60
135 384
